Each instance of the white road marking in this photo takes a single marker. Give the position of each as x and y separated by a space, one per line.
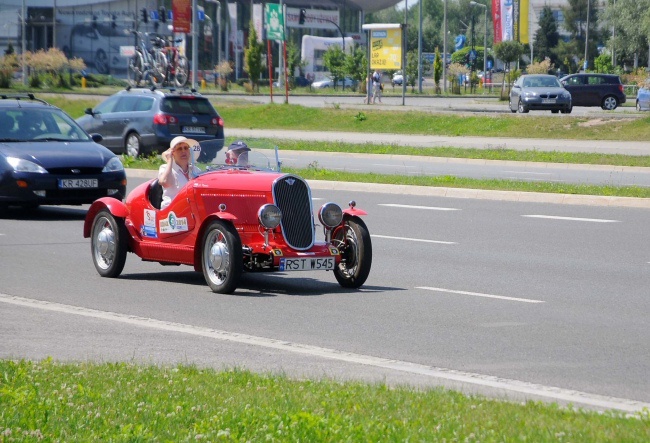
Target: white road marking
414 239
549 392
433 208
554 217
478 294
393 166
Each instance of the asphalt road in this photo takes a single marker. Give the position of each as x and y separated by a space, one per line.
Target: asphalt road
515 299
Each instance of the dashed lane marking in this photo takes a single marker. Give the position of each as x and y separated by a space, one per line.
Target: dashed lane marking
415 239
432 208
554 217
478 294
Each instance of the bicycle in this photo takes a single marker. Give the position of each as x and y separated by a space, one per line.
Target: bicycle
146 64
177 66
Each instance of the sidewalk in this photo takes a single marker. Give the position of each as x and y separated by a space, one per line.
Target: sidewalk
433 141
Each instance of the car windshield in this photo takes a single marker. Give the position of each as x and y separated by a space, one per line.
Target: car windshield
261 157
39 124
187 105
541 82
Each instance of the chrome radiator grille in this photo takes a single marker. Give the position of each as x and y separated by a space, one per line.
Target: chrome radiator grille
293 196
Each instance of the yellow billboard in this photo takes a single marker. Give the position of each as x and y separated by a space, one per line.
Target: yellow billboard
386 49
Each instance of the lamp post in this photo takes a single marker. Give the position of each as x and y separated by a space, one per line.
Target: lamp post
587 38
473 3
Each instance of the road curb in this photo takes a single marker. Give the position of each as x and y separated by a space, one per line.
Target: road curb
477 194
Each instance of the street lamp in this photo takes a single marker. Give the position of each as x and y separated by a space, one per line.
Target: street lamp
473 3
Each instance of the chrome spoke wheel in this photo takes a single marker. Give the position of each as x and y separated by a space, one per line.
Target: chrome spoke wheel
221 257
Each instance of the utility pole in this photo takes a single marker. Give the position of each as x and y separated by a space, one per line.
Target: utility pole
587 38
444 48
420 50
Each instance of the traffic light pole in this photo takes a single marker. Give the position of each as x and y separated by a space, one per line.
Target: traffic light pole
303 16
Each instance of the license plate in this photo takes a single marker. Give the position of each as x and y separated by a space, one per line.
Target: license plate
307 264
75 183
548 100
194 129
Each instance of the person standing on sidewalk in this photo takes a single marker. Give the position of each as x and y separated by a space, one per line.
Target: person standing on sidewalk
376 87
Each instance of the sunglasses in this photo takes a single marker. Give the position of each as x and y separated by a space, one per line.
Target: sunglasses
182 148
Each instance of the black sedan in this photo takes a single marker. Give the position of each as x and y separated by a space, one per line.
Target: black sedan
539 92
46 158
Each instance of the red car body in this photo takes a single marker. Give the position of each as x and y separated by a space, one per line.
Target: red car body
221 223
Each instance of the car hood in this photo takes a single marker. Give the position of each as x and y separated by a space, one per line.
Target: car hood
59 154
546 89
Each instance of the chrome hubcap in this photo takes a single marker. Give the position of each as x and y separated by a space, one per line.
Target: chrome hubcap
217 258
105 245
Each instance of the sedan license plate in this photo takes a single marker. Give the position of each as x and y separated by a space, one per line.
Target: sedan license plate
76 183
193 130
548 100
307 264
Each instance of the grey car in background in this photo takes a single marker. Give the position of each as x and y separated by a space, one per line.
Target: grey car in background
539 92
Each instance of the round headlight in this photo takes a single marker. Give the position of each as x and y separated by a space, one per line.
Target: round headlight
269 216
330 214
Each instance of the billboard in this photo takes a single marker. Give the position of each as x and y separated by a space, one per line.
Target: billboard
386 49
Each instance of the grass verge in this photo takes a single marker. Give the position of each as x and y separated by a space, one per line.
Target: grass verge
49 401
316 173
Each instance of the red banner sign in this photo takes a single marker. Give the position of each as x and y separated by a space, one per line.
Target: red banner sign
182 13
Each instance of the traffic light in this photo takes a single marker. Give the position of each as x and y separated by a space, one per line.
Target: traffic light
163 14
113 21
94 21
303 13
145 15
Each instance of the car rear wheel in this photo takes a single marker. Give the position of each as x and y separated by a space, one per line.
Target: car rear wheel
222 257
353 241
638 106
555 111
108 244
609 103
133 145
522 108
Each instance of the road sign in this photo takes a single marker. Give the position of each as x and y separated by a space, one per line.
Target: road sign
274 22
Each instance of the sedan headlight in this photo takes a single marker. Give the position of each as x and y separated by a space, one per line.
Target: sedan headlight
113 165
330 214
269 216
21 165
529 94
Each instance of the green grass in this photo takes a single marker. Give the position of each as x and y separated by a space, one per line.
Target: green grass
120 402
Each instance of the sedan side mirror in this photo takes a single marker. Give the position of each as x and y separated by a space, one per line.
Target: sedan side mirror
96 137
89 111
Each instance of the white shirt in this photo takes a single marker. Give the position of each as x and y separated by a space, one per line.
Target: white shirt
177 180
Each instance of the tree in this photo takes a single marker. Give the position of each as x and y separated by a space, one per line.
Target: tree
356 65
508 51
437 70
625 17
253 58
334 61
411 69
546 37
575 21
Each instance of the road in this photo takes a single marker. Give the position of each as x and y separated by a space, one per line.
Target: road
514 299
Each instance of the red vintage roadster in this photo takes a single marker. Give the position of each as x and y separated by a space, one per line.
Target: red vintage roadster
229 220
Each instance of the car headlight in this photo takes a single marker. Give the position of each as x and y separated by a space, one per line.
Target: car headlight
529 94
269 216
21 165
113 165
566 95
330 214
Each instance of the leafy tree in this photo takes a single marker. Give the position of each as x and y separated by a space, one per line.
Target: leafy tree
253 57
575 21
546 37
356 65
437 70
603 64
628 18
462 56
334 61
293 59
411 69
508 51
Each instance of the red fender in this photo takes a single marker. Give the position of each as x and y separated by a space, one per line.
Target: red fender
354 211
115 206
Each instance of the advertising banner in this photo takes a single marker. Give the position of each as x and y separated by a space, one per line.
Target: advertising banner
386 49
274 22
316 19
182 16
258 21
507 20
496 20
524 10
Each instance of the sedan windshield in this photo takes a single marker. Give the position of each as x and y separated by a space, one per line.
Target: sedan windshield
39 124
543 81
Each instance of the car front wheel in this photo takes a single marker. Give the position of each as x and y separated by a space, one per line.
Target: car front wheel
133 145
222 257
353 241
522 108
638 106
108 244
609 103
513 110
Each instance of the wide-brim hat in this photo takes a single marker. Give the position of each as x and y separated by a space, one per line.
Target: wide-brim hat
238 146
180 139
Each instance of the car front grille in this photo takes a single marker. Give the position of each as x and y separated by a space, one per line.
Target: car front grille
74 171
293 196
548 95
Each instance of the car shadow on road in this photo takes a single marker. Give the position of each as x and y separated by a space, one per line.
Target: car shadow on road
43 213
261 284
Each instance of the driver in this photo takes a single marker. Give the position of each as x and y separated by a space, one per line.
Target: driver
237 154
175 173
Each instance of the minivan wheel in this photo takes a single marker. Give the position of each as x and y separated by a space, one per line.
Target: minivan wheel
638 106
609 103
133 145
